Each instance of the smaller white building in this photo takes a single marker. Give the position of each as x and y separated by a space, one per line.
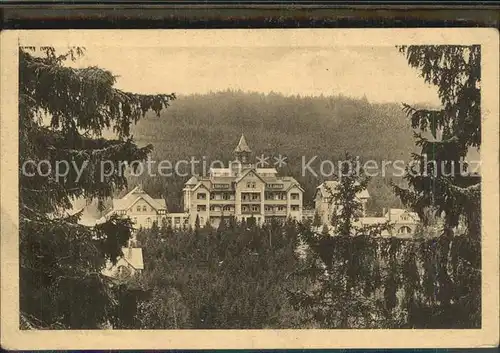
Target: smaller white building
404 223
324 203
142 209
128 265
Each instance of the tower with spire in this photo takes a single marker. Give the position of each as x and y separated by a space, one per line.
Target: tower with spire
242 151
245 191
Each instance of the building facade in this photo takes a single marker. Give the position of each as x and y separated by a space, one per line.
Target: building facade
324 204
142 209
126 266
245 191
242 191
404 223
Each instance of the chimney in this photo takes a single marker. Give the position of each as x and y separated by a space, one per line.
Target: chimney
383 212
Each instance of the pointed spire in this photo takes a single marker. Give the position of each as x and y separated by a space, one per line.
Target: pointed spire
242 145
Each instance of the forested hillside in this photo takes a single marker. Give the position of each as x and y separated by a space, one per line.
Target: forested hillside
210 125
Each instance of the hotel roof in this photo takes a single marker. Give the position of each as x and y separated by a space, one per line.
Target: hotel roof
133 196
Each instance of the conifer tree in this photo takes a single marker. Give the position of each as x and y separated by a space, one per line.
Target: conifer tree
316 220
345 202
197 222
63 112
437 182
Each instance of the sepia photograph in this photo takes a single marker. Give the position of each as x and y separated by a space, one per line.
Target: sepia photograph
268 180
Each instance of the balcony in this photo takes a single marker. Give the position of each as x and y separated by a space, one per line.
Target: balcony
222 201
275 212
247 209
275 202
254 201
274 186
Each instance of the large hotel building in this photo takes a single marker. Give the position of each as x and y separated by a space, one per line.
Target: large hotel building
242 190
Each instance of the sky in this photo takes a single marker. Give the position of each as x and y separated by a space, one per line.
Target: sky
380 73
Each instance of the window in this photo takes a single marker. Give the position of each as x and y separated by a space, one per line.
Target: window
202 220
148 221
404 230
255 208
227 208
138 208
226 196
255 196
249 184
295 207
144 209
295 196
201 196
253 185
201 208
281 208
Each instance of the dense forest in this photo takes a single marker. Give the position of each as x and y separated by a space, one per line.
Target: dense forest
210 125
285 276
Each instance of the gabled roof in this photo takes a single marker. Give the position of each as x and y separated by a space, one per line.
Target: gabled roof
394 213
201 184
134 257
290 182
135 195
192 181
242 145
246 172
131 257
88 209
